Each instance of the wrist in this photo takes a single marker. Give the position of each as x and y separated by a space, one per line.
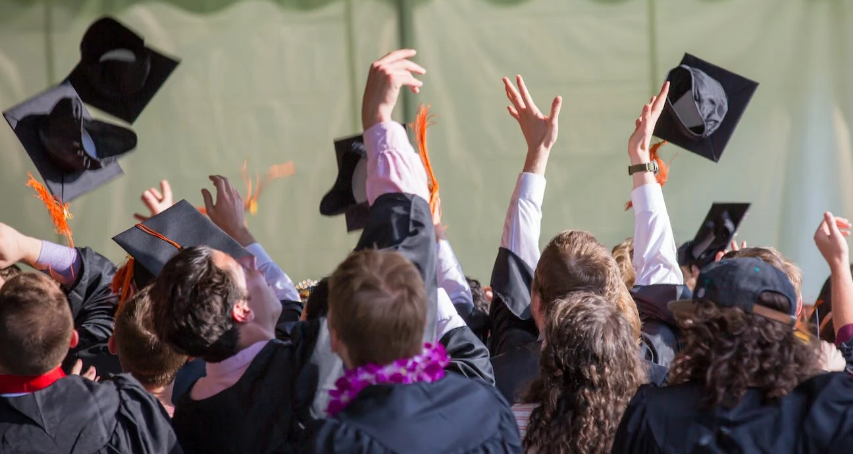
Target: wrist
371 120
537 160
638 157
30 248
840 266
244 237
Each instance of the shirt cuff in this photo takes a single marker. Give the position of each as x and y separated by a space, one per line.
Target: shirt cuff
531 187
62 263
385 136
260 254
844 334
648 197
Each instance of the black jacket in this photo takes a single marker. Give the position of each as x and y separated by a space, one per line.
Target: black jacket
660 334
93 306
815 418
452 415
76 415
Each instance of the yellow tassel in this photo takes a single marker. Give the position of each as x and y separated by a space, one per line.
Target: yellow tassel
59 212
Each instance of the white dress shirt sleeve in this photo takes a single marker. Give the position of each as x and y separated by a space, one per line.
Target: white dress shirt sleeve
523 222
655 253
447 318
275 277
451 278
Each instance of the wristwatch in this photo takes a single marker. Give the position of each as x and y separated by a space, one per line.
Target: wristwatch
648 167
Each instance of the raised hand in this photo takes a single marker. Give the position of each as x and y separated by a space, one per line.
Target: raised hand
91 372
156 201
228 212
644 127
387 75
830 239
733 246
539 131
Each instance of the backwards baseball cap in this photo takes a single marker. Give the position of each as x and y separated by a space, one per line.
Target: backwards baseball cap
739 283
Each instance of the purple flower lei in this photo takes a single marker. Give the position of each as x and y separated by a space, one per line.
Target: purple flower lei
426 367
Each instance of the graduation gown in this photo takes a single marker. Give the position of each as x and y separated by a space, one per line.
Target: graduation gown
76 415
515 341
256 414
452 415
93 307
814 418
661 337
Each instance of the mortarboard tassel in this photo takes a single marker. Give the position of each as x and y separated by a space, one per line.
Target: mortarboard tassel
121 280
423 120
59 212
663 168
256 186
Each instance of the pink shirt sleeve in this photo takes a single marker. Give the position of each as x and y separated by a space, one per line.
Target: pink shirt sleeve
392 163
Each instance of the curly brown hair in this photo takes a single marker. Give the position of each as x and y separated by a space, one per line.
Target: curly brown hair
589 371
729 350
623 253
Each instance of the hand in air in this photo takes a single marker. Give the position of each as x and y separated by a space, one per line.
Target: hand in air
91 373
384 81
157 201
733 246
16 247
228 213
539 131
831 240
644 127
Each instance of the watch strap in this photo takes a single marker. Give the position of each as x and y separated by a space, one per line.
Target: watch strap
647 167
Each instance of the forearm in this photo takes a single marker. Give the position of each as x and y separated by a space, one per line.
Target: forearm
522 225
393 166
62 263
451 278
655 254
842 297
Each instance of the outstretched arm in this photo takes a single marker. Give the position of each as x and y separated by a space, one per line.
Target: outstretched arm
830 239
655 253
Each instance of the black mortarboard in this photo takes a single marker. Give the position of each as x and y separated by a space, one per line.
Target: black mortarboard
73 153
116 72
150 243
715 234
704 105
348 195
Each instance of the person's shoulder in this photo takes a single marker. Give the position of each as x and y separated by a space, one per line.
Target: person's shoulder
336 435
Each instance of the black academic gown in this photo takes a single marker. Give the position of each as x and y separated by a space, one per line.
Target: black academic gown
815 418
660 334
452 415
514 341
76 415
93 307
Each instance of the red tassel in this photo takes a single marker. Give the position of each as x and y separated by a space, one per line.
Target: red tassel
663 168
423 120
59 212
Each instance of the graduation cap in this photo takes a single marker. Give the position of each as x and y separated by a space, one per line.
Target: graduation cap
117 73
73 153
154 242
348 195
717 231
703 107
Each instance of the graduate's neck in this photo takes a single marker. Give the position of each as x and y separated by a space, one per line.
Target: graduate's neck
162 393
251 334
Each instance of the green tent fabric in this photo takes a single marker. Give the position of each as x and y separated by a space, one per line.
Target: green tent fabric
270 81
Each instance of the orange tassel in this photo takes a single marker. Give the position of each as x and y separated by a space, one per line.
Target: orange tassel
423 120
121 280
663 168
255 187
59 212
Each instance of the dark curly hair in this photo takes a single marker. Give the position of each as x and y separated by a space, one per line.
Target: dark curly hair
481 302
589 371
191 302
729 350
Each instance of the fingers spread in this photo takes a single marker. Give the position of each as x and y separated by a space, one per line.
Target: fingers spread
166 188
525 95
208 200
556 106
512 112
397 55
513 95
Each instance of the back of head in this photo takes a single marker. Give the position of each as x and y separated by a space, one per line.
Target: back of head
35 325
623 253
728 349
318 301
377 307
774 257
140 352
589 371
575 261
192 300
481 301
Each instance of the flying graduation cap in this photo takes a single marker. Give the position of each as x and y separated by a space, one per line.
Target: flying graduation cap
152 243
348 195
703 107
117 73
717 231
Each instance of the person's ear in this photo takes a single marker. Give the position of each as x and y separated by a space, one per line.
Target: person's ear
111 346
242 313
799 305
75 339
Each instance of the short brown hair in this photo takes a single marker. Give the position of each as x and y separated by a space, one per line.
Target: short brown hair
623 253
377 307
35 325
140 352
575 261
772 256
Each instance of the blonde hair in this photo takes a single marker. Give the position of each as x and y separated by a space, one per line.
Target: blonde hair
623 253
